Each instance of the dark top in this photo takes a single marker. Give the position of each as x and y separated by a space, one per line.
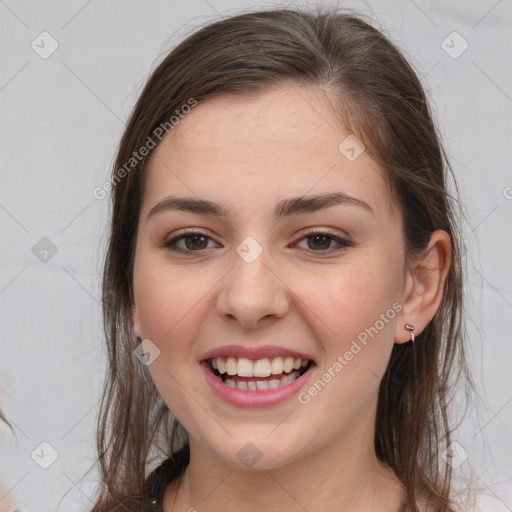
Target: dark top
161 476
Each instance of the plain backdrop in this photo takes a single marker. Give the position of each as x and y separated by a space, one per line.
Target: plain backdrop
61 117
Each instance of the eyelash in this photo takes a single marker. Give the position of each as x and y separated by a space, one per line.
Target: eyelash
343 243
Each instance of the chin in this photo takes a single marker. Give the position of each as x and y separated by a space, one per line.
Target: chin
258 453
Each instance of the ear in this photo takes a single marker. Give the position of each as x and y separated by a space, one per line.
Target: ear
136 322
424 285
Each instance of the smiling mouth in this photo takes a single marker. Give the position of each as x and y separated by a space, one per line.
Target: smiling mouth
262 374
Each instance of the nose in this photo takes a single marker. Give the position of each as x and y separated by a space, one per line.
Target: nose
252 293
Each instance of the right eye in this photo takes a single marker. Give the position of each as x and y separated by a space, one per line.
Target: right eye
194 241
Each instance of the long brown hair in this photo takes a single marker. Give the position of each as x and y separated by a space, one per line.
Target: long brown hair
378 97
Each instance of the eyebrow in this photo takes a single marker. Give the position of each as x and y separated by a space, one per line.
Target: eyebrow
284 208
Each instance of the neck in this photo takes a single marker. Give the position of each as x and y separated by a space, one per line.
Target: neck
344 475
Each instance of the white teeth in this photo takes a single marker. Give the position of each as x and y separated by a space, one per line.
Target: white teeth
288 364
231 366
266 367
277 366
261 384
262 368
245 367
229 382
242 385
289 378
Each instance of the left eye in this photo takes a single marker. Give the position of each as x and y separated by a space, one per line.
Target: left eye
196 241
322 241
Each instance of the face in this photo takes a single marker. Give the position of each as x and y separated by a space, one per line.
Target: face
296 301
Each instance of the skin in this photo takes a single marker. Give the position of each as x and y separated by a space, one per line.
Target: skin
247 153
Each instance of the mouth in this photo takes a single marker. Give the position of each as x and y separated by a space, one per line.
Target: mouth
258 375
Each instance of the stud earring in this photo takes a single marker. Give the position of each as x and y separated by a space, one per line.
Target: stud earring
410 328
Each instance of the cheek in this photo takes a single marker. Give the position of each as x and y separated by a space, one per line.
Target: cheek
358 302
354 317
168 308
167 302
172 305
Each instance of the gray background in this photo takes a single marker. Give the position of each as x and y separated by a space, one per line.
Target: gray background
61 118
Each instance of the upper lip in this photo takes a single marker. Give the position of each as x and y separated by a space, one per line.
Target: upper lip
266 351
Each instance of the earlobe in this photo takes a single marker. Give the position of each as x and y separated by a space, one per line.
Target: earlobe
424 286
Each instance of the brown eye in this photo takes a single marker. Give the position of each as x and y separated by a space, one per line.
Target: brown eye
196 242
193 241
319 241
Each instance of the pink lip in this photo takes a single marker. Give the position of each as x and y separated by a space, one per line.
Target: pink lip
254 353
253 399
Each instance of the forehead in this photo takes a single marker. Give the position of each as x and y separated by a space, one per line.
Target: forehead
284 141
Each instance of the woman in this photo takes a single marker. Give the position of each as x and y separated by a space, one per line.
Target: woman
282 289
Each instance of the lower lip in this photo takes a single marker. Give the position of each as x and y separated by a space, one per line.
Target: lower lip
253 399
